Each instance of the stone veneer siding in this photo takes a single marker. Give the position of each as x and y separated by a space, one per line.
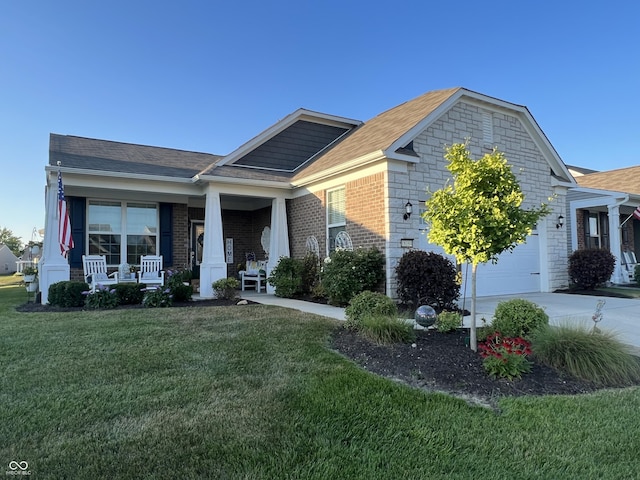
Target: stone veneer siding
464 121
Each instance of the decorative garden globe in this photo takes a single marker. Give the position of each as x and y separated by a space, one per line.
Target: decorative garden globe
425 316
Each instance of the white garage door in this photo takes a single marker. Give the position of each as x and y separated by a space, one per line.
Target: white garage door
515 272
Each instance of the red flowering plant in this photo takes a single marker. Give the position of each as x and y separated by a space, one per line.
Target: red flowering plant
505 357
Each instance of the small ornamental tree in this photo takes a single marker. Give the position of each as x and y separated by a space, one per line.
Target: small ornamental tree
480 215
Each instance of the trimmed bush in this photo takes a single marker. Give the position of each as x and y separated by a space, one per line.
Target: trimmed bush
346 273
366 304
595 357
176 282
310 272
67 294
518 318
386 330
636 274
286 277
129 293
448 321
591 267
226 288
103 297
157 298
427 278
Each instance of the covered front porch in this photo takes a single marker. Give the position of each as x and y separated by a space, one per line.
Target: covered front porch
205 228
607 221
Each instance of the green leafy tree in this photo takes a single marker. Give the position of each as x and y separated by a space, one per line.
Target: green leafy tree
480 215
10 240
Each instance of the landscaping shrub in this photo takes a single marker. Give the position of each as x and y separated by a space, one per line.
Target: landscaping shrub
157 297
386 330
595 357
505 357
226 288
310 272
130 293
448 321
636 274
346 273
591 268
367 304
427 278
67 294
104 296
518 318
178 283
286 277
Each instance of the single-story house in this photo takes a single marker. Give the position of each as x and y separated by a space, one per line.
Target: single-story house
601 210
295 186
8 260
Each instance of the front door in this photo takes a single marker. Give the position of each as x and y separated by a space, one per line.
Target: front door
197 242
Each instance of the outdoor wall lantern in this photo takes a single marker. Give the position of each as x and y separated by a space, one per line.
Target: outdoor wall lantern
560 223
408 210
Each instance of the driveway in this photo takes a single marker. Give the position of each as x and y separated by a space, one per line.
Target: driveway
620 315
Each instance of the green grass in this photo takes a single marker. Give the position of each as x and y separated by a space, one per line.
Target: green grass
253 392
629 292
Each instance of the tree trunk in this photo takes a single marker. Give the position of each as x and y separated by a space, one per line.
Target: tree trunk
473 338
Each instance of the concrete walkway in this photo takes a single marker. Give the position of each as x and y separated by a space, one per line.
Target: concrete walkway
620 315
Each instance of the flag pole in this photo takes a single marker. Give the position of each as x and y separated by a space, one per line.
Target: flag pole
58 163
635 213
626 220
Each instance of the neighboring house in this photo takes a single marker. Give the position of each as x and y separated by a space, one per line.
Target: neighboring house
7 260
600 211
307 178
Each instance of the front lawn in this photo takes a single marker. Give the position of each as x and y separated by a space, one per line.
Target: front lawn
253 392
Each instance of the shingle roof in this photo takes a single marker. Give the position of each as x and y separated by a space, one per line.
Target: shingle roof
622 180
379 132
105 155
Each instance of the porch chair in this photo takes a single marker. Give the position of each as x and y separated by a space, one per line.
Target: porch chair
95 271
151 272
254 273
629 262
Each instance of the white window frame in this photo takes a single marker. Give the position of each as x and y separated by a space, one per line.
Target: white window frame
335 226
123 233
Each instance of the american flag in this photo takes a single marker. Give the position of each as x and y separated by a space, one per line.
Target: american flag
64 225
636 213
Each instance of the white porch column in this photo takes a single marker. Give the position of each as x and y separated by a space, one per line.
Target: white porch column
213 266
615 242
53 267
279 241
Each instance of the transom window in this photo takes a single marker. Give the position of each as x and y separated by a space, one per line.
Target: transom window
122 230
336 215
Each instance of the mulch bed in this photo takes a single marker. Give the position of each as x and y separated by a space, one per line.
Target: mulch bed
441 362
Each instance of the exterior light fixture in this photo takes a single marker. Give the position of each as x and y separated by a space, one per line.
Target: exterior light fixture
408 210
560 223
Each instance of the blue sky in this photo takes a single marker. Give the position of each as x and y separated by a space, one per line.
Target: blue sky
208 75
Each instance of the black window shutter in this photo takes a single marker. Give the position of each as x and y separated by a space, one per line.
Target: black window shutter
166 234
77 216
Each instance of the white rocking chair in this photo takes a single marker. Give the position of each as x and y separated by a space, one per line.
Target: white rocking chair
95 271
254 274
629 262
151 272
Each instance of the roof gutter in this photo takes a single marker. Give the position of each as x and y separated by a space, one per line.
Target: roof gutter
342 168
128 176
241 181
